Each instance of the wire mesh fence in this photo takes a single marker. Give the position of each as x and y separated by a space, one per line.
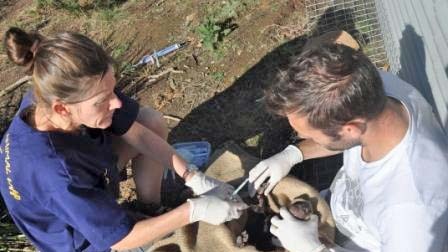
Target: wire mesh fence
390 43
357 17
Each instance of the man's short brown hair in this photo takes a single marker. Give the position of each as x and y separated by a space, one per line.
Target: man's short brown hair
331 85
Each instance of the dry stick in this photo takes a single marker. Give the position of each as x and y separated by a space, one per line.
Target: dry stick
12 87
154 77
151 79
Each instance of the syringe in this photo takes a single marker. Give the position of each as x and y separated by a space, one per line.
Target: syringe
153 58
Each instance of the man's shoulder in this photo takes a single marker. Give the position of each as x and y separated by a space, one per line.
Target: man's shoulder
415 103
418 175
429 165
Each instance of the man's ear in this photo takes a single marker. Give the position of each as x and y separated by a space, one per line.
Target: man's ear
60 108
355 127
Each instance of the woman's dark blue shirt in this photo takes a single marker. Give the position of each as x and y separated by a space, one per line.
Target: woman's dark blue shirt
54 183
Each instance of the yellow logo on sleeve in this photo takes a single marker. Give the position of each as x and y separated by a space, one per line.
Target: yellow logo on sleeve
12 191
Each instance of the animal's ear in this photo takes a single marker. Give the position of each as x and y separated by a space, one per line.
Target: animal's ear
278 200
304 196
314 201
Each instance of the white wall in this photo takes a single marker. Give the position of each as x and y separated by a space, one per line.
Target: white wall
416 39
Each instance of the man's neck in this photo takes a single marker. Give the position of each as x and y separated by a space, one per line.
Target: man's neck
385 131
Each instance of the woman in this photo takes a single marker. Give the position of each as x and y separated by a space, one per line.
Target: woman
64 146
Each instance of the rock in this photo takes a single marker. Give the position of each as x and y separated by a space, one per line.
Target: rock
338 37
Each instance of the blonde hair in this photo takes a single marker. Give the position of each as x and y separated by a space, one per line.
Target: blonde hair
64 67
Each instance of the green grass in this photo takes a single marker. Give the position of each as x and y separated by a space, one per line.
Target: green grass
29 19
78 6
71 6
111 14
229 9
108 3
119 50
126 68
209 33
218 76
219 23
10 237
275 7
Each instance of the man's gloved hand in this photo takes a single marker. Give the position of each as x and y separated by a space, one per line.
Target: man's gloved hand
213 210
275 167
296 235
201 183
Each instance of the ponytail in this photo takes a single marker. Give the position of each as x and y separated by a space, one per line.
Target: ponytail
21 46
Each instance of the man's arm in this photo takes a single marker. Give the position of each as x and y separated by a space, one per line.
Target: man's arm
276 167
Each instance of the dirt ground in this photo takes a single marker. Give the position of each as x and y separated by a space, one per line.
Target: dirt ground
206 94
215 97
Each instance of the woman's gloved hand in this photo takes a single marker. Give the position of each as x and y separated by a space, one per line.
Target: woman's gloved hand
201 183
213 210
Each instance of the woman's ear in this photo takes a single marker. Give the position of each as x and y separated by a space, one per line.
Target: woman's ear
60 108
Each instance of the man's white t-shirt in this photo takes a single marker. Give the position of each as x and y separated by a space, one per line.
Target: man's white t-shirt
398 203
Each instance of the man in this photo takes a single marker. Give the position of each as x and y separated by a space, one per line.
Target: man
390 194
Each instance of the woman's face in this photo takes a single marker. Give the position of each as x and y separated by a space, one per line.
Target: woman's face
98 109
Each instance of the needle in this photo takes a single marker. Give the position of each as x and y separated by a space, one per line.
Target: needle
239 188
245 182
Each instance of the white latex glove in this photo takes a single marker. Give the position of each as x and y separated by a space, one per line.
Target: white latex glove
296 235
275 167
201 183
214 210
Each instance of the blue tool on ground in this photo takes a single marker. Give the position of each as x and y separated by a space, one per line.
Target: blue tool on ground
197 153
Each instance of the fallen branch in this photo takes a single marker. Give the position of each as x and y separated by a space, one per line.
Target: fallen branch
155 77
136 86
12 87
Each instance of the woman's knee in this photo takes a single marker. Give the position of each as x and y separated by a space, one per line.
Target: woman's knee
153 120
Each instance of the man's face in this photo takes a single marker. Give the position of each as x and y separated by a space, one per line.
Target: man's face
347 139
98 109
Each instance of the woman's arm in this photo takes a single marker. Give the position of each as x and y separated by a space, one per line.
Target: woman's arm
151 229
207 208
149 143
